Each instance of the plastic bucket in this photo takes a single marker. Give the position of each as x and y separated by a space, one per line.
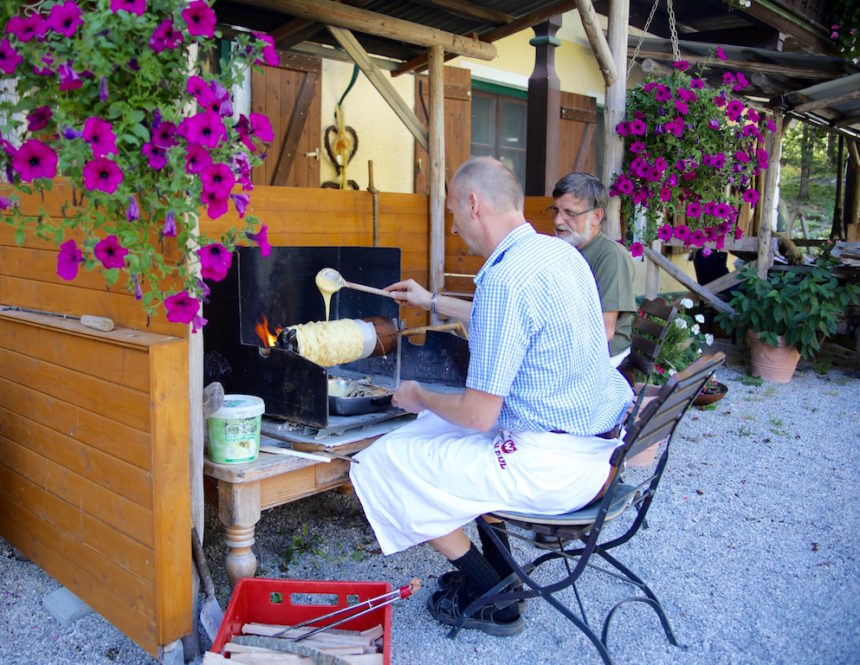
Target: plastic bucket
234 430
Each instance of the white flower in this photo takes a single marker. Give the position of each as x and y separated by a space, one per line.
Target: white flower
709 339
695 328
686 303
700 318
681 323
671 372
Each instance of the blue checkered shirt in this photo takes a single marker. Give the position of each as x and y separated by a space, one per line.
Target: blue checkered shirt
537 339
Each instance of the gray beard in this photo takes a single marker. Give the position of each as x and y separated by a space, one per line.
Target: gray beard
575 239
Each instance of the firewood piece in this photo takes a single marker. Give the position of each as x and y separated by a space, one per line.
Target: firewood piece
212 658
233 647
366 659
373 633
335 636
274 658
319 658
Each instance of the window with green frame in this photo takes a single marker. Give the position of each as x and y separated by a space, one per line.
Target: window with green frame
499 124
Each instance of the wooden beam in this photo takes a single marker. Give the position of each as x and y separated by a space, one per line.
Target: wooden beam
768 206
420 62
658 259
344 16
727 281
827 101
294 32
437 171
383 85
335 53
649 51
469 10
597 39
614 110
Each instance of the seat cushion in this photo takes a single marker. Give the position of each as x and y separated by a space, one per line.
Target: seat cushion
624 495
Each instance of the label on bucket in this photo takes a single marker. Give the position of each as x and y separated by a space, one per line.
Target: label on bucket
234 430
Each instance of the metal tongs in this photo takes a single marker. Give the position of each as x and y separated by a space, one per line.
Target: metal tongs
354 611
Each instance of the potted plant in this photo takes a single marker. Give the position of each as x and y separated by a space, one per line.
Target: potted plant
787 315
691 154
116 99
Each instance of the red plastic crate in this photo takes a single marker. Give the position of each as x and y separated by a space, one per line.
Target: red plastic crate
260 600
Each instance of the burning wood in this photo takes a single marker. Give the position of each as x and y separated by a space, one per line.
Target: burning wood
266 337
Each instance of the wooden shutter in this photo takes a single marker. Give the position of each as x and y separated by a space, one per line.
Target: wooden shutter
458 123
290 96
577 134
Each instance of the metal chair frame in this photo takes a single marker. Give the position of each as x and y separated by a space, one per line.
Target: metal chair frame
657 422
650 327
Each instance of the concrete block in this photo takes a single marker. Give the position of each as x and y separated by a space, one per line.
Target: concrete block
65 606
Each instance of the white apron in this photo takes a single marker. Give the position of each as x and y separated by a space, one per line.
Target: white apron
429 477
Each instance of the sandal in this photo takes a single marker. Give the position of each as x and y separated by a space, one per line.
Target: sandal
455 578
445 607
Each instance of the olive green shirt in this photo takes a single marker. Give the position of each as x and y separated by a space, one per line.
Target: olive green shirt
613 272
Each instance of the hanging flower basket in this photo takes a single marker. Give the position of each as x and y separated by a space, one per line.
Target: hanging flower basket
692 154
115 98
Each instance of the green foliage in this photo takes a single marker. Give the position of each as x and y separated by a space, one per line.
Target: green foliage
801 307
845 22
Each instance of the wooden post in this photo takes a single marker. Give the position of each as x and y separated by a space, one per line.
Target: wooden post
768 208
652 272
853 214
613 147
544 112
599 47
437 170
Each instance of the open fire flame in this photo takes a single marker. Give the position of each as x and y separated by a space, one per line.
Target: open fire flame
266 337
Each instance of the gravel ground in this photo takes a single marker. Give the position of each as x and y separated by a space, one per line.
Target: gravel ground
752 549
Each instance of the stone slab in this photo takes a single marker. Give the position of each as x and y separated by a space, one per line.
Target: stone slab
65 606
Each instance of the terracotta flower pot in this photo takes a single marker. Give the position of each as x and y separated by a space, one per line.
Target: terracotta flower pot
772 364
704 398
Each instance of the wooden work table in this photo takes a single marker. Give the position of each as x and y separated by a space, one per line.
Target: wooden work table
243 491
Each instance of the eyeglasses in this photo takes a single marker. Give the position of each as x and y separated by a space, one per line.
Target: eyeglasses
567 215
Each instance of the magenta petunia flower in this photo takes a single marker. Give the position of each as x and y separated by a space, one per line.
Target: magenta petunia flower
739 233
721 54
741 82
622 129
681 232
69 78
69 260
665 232
133 212
165 37
215 261
662 94
713 123
38 118
742 157
199 89
681 65
197 158
206 129
65 19
27 28
156 156
200 19
261 128
102 174
681 107
665 194
9 58
261 237
753 115
735 109
5 203
636 249
697 238
720 101
241 202
751 197
216 203
110 252
269 53
694 210
636 147
217 178
137 7
34 159
99 134
169 229
164 135
242 166
181 307
638 127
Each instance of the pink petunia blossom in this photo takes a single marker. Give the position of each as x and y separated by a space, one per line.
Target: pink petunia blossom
665 194
269 53
137 7
681 107
197 158
164 135
200 19
206 129
218 178
181 307
69 78
665 232
636 249
735 109
662 93
69 260
217 203
694 210
38 118
681 232
681 65
110 252
741 82
697 238
638 128
751 197
133 212
165 36
215 261
721 54
622 129
241 202
65 19
9 57
34 159
102 174
739 232
156 156
27 28
169 229
99 134
197 323
261 237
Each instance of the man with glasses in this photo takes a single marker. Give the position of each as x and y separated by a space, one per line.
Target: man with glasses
579 203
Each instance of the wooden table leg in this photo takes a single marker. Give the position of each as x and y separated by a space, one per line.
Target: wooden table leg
239 511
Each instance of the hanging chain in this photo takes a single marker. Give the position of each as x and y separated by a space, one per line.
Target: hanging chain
676 52
642 36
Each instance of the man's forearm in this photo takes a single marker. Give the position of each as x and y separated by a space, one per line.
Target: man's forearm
456 308
472 408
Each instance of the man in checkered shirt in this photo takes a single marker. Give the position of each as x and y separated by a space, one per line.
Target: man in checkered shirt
529 433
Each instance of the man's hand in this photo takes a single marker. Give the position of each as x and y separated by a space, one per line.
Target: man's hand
472 408
410 292
408 397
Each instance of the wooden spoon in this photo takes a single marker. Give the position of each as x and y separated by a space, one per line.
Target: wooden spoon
334 278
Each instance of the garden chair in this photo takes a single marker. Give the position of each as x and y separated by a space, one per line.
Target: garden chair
649 330
657 422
